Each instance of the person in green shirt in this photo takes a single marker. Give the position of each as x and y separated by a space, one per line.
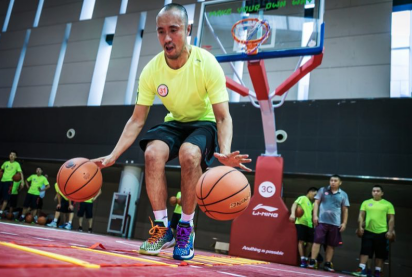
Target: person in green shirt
87 207
376 225
32 198
304 224
177 213
8 168
64 205
17 186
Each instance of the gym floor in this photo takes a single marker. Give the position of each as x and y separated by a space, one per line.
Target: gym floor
28 250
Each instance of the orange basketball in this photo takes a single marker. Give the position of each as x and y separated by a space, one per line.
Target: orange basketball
28 218
299 211
10 216
223 193
41 220
17 177
79 179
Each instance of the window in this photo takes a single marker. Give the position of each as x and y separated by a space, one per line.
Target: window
401 54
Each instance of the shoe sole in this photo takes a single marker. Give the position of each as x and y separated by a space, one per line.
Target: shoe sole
156 252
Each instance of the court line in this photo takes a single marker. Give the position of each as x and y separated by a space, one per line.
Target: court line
42 239
8 233
232 274
122 242
51 255
75 244
291 271
124 256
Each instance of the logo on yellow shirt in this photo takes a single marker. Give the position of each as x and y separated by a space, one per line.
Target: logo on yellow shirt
162 90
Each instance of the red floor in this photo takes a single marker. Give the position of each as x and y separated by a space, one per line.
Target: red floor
22 247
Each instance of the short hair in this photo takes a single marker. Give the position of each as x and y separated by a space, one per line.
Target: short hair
40 168
178 7
13 151
336 176
311 189
378 186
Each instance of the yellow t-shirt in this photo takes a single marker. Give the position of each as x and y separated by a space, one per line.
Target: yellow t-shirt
307 206
178 209
376 215
56 186
9 170
188 92
36 183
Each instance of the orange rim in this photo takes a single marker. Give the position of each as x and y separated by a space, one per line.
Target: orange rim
251 44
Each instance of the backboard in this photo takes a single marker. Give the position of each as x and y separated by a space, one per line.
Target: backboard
296 28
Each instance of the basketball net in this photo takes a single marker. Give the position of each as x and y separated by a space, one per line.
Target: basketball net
244 32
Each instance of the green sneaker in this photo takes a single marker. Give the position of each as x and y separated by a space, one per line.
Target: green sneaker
161 237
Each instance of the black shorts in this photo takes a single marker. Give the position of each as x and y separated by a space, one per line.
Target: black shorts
40 203
305 233
5 190
175 220
85 207
13 200
64 206
374 244
174 134
31 201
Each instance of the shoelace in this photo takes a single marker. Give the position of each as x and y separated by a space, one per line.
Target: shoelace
182 237
156 232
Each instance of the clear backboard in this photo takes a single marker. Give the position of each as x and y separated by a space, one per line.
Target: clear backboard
296 28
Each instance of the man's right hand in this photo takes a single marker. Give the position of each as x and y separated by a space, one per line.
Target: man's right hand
58 206
292 218
103 162
315 221
359 232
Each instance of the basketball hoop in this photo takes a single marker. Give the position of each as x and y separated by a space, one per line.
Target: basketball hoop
251 27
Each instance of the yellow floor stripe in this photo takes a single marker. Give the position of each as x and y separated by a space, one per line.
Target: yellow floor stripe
236 260
197 258
251 261
124 256
51 255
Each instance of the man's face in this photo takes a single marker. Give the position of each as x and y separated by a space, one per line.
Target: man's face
12 156
335 182
39 171
312 195
171 33
377 193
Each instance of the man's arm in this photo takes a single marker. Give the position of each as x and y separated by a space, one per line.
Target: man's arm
98 194
391 225
361 219
130 132
292 212
315 217
224 137
345 213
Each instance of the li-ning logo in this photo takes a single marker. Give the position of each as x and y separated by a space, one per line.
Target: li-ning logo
70 164
270 211
162 90
240 202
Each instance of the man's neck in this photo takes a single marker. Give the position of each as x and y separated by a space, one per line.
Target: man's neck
181 61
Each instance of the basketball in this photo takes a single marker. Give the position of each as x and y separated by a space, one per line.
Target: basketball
223 193
10 216
28 218
173 200
299 211
41 220
79 179
17 177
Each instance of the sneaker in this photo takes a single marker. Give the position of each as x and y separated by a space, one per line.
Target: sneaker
185 240
52 224
360 272
328 267
377 273
68 226
80 229
313 264
90 231
21 219
161 237
304 263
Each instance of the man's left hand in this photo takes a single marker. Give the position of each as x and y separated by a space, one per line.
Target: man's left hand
234 159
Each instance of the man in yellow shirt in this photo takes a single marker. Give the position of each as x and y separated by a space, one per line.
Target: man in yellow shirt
192 86
64 205
32 198
87 207
376 224
8 168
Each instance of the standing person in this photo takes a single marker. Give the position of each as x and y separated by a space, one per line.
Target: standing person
332 203
177 213
17 186
32 197
191 84
41 196
376 224
64 205
304 224
87 207
9 168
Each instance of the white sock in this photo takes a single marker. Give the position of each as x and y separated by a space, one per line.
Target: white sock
363 266
377 268
161 216
303 258
188 217
55 220
70 222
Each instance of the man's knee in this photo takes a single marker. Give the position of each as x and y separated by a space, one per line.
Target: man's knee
155 153
189 155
